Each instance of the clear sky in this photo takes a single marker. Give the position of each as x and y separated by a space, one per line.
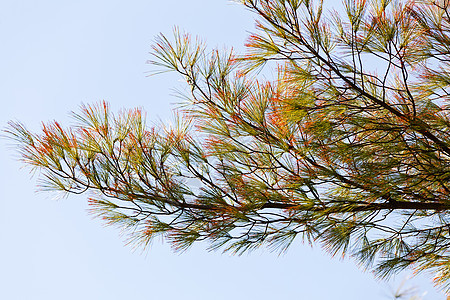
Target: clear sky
57 54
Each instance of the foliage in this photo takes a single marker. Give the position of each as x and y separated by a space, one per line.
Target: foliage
348 147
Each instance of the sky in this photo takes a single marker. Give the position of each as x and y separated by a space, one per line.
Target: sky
56 55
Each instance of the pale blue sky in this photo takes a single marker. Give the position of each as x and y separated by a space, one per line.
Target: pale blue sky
56 54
